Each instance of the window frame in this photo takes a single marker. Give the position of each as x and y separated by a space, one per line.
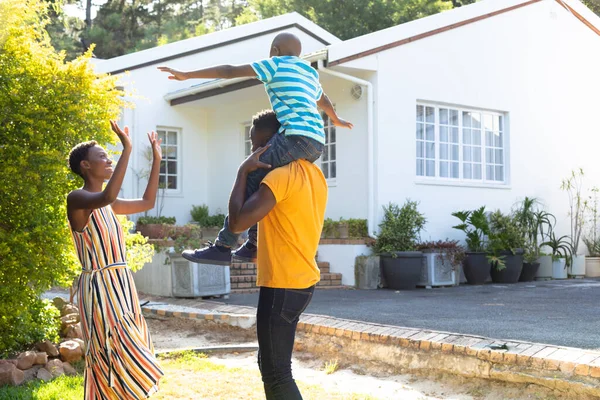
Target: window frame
327 126
461 180
245 130
179 174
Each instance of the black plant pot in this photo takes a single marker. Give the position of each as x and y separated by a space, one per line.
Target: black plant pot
402 271
512 272
477 268
529 272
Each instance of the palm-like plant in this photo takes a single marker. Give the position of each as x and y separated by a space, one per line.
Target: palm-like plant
476 226
561 247
536 224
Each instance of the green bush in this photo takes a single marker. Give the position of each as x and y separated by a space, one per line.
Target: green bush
357 228
200 215
400 229
46 107
215 220
139 251
156 220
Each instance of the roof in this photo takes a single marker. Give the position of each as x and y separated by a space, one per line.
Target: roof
385 39
209 41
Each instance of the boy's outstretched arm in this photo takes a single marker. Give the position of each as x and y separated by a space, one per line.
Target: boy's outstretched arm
216 72
325 104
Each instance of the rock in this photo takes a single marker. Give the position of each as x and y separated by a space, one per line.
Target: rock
81 343
55 367
69 309
74 332
11 375
67 321
40 358
44 375
69 370
59 302
13 362
48 347
31 373
26 360
70 351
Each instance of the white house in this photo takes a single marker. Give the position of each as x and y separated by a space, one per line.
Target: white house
480 105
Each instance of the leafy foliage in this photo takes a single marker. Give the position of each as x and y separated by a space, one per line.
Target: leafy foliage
139 251
505 235
592 239
561 247
46 107
201 216
475 225
450 251
146 220
400 228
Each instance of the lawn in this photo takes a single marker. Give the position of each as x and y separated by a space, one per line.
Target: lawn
187 376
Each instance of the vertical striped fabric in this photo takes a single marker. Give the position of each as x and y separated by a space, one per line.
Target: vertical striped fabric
120 362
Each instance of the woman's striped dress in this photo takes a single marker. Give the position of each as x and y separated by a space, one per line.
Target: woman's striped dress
120 362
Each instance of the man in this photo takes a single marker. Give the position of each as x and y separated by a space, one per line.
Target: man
289 207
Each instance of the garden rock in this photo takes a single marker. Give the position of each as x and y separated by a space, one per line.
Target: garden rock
59 302
31 373
48 347
40 358
81 343
26 360
74 332
68 320
13 362
55 367
69 370
11 375
44 375
69 309
70 351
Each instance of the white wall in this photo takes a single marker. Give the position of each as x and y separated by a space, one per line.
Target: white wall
539 64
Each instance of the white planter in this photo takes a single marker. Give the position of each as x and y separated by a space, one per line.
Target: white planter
437 271
545 271
577 267
196 280
592 267
559 270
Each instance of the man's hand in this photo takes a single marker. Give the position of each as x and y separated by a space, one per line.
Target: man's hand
175 74
155 143
252 163
342 123
122 134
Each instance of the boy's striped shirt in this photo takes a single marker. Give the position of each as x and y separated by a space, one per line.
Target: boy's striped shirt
294 89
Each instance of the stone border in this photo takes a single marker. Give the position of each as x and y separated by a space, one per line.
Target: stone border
346 241
244 321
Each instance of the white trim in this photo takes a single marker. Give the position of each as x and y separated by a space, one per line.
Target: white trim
179 133
454 183
244 125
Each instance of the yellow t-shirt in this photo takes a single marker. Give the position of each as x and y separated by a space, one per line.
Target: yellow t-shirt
288 237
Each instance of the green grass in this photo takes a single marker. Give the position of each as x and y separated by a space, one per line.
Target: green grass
61 388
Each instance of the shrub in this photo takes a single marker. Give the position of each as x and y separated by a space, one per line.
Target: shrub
147 220
139 251
400 229
46 107
200 214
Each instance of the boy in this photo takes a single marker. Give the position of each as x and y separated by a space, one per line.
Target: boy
295 92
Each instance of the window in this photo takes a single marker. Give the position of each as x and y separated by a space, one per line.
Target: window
459 144
247 142
329 157
169 166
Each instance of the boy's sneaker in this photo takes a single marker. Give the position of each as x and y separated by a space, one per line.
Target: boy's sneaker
246 253
211 254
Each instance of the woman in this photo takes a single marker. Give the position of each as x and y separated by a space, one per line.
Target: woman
120 362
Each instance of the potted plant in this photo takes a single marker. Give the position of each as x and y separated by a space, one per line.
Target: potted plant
592 240
396 245
577 209
536 225
155 227
562 253
441 263
210 224
357 228
505 248
476 227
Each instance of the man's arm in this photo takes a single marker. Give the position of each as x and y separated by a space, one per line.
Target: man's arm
244 214
325 104
216 72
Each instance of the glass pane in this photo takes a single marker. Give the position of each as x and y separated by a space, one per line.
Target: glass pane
476 120
420 149
161 181
443 134
454 152
430 132
443 151
163 167
161 135
467 153
498 140
325 156
467 171
454 136
430 114
332 134
454 170
248 148
444 169
489 138
172 138
489 156
488 122
498 157
430 168
496 122
476 154
489 173
444 116
171 152
466 119
172 182
420 113
454 117
333 172
499 174
325 168
332 152
420 129
172 167
476 171
430 150
501 124
420 169
467 136
477 137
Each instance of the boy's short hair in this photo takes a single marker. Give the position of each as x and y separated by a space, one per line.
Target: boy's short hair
78 154
267 121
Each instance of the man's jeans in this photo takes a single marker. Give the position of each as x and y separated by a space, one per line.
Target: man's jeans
276 320
283 150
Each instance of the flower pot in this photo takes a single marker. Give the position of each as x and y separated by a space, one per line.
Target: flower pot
154 231
402 271
343 230
592 267
512 272
438 271
544 272
577 267
559 269
529 272
210 233
477 268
